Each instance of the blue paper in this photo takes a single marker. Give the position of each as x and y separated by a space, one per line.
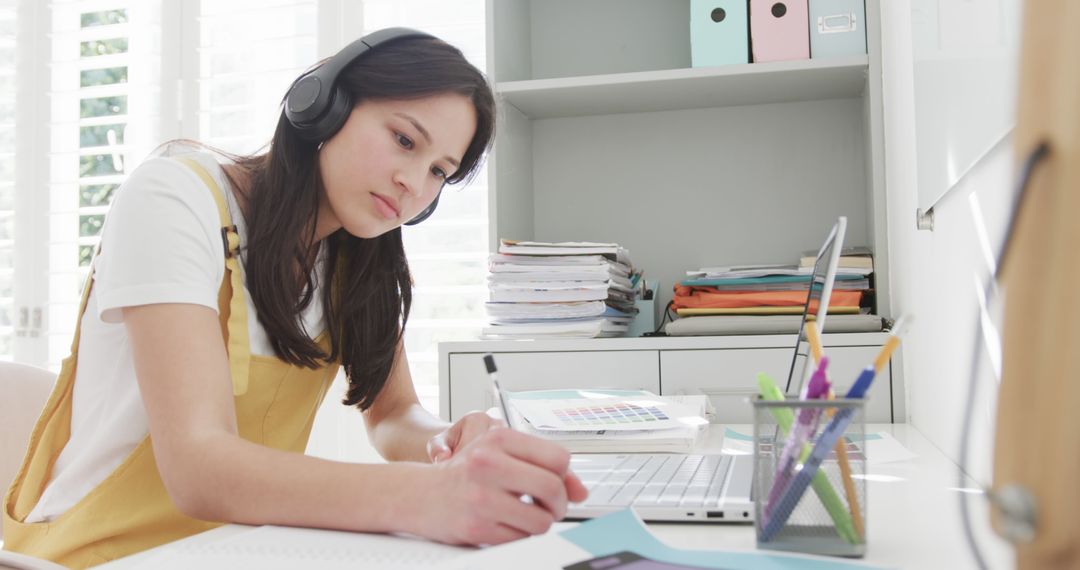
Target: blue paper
623 531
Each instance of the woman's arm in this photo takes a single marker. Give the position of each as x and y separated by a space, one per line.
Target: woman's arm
213 474
403 430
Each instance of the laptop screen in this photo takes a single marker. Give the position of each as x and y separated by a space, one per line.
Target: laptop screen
817 300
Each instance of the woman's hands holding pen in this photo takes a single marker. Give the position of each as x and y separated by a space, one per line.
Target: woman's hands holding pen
479 490
471 426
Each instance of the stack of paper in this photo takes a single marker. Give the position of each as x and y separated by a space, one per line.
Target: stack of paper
771 298
765 290
853 259
574 289
616 421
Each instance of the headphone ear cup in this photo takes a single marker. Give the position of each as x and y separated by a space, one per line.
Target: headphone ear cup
330 121
426 213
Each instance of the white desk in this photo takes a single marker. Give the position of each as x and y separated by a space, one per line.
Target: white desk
913 516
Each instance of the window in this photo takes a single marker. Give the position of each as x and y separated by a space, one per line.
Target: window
244 71
8 78
448 252
104 118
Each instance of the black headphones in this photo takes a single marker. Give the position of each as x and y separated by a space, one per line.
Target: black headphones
317 109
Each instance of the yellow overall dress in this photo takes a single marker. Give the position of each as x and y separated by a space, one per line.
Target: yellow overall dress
130 510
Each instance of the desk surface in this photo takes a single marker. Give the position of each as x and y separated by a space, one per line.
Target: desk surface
913 517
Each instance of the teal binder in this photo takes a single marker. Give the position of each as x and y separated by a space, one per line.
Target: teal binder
719 32
837 28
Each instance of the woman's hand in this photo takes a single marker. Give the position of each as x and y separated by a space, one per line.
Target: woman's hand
502 486
473 425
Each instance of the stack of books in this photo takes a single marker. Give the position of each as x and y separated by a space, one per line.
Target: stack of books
774 289
856 259
570 289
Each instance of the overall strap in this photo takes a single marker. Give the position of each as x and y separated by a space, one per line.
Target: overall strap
239 346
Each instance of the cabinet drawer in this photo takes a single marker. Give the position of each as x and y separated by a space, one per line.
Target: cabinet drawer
729 377
470 387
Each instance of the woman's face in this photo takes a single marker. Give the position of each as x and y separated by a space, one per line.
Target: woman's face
389 162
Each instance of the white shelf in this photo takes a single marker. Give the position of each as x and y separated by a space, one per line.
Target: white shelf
694 88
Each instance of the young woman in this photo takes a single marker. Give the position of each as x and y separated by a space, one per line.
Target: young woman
222 302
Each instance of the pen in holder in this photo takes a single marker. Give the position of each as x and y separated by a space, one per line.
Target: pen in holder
816 499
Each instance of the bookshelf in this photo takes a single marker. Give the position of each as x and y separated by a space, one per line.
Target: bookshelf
607 133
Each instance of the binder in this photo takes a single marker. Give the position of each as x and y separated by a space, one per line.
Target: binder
837 28
719 32
779 30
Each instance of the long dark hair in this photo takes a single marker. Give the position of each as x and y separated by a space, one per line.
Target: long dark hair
366 286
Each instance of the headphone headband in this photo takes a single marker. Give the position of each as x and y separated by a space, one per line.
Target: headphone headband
317 108
311 101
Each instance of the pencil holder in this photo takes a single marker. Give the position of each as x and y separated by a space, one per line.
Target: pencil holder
809 476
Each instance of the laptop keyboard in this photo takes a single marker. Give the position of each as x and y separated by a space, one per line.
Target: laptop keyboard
622 480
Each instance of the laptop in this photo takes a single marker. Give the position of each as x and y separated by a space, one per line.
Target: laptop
713 488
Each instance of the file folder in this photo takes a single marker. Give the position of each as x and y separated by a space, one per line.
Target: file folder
719 32
779 30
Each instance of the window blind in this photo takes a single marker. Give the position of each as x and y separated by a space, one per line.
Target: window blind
448 252
104 118
249 53
8 78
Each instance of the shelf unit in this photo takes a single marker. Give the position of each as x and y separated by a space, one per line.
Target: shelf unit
607 133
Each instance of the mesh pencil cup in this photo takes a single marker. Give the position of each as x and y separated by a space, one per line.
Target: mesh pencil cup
809 492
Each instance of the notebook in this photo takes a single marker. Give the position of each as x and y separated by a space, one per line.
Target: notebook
713 488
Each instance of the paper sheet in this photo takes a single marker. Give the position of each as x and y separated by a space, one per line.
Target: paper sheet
286 548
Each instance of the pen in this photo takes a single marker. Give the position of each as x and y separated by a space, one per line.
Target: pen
862 382
809 472
489 363
815 340
820 482
890 345
841 449
816 352
804 428
849 484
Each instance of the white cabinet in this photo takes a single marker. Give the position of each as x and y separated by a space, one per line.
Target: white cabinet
729 377
619 370
724 368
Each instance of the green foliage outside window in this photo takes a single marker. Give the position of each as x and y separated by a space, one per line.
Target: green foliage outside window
103 106
98 135
90 225
91 195
94 48
86 253
103 76
104 18
99 165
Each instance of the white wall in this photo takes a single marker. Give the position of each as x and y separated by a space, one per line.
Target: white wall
934 273
937 277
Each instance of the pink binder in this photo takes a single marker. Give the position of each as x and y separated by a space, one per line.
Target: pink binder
779 30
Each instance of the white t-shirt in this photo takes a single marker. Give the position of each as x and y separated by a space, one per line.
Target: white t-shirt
161 244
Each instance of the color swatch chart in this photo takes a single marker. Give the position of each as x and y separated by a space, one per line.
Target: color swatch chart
609 415
603 414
